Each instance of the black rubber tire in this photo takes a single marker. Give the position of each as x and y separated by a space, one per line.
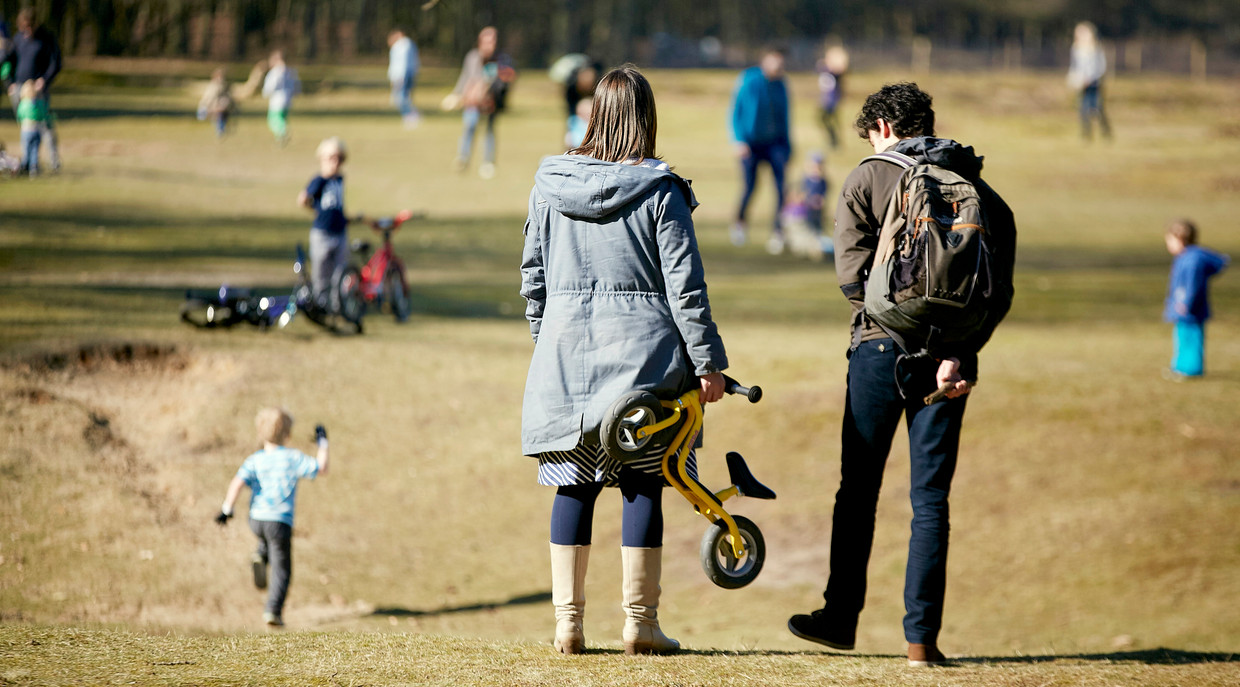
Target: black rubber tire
204 314
724 569
396 293
631 411
348 302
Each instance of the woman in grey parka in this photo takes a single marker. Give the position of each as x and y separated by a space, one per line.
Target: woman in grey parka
616 302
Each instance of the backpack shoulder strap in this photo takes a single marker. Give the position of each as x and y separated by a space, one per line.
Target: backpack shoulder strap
898 159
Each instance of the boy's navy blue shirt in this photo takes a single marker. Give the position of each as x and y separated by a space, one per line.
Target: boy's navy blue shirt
1187 294
327 195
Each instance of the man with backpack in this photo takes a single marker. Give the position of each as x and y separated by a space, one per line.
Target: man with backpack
924 254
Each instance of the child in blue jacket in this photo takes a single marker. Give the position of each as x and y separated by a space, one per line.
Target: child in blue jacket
1188 305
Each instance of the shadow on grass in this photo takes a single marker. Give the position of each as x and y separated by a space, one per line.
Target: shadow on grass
71 113
523 600
1160 656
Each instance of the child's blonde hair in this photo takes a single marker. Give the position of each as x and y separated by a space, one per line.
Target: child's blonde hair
1184 230
273 425
331 146
27 90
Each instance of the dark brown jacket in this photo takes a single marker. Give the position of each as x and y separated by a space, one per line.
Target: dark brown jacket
861 210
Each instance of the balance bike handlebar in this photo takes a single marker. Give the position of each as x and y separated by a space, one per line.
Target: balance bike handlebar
753 393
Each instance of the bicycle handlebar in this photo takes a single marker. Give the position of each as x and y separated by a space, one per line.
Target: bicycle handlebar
389 223
753 393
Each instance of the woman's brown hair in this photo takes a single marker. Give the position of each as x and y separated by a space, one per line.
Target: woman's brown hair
623 122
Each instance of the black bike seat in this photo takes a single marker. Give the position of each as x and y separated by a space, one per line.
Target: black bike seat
360 246
744 480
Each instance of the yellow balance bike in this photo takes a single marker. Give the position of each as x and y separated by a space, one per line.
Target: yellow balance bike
732 549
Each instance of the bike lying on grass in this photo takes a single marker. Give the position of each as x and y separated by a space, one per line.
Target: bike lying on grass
340 310
732 550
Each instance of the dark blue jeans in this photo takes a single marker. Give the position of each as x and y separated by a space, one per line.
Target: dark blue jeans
1091 107
872 412
776 155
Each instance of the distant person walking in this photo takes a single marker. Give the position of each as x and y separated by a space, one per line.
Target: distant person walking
831 70
616 300
760 125
482 92
217 103
279 88
403 65
885 385
1088 66
1188 297
34 56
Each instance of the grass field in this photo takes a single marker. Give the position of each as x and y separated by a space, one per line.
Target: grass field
1095 505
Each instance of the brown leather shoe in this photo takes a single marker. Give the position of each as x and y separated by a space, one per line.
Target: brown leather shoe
925 656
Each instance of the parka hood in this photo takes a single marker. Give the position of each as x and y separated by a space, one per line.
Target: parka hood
943 152
582 187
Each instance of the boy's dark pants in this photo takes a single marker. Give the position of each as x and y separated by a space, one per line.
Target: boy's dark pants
871 416
275 546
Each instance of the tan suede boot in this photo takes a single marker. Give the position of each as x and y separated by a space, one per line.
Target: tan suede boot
568 595
642 569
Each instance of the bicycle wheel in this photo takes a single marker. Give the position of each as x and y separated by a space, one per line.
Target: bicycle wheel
348 303
396 292
720 562
618 434
205 314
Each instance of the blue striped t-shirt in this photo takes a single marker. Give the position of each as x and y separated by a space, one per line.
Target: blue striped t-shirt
272 477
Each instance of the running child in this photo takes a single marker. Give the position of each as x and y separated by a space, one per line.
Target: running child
272 475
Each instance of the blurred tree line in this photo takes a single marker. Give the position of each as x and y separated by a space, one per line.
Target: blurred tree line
657 32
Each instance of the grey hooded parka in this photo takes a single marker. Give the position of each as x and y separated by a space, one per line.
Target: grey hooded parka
616 295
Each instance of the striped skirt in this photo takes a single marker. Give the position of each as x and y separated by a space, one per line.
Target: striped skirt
589 464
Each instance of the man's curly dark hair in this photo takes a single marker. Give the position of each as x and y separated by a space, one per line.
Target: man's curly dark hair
903 105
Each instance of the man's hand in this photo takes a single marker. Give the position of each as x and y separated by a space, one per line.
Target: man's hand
949 373
320 433
712 387
742 150
38 85
222 518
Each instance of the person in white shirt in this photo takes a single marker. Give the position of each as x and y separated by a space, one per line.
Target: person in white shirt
403 74
279 88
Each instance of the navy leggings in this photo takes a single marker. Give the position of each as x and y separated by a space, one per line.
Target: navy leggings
572 511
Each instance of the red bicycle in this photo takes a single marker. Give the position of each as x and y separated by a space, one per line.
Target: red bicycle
383 275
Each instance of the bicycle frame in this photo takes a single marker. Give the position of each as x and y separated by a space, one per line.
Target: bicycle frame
376 267
675 465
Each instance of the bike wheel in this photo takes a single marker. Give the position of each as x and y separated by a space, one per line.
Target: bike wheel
721 564
349 303
396 292
630 412
205 314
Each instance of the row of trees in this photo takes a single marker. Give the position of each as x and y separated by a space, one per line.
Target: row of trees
655 31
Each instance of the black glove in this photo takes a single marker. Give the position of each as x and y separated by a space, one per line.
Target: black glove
221 518
320 433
